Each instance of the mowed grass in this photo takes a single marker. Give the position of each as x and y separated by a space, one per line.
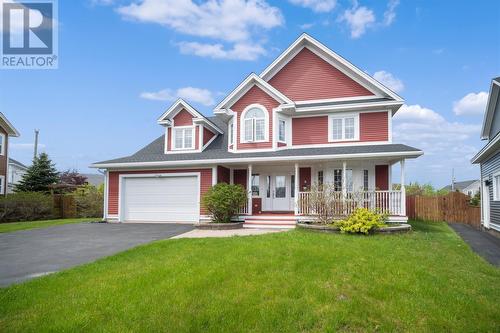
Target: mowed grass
297 281
15 226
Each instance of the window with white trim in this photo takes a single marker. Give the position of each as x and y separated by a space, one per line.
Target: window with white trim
282 130
183 137
343 127
2 144
254 125
231 132
496 186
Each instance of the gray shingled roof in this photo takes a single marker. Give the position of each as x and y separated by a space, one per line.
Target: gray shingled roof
461 185
154 152
19 164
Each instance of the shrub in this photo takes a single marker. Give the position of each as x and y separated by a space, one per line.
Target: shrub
361 221
223 201
25 206
89 201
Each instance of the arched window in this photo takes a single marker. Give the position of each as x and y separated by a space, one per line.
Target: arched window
254 121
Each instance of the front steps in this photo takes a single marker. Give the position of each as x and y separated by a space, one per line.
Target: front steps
274 221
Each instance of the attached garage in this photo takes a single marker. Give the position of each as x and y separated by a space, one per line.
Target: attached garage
169 197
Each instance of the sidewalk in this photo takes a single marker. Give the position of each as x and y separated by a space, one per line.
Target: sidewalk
484 244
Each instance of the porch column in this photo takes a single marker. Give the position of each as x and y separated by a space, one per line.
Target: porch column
296 189
344 180
403 188
249 189
231 176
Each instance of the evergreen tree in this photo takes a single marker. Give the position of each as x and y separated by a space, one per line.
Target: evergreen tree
39 175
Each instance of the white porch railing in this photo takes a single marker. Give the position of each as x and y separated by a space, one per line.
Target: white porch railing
386 202
244 209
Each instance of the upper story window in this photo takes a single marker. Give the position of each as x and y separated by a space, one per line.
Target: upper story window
231 133
183 137
254 125
343 127
2 144
282 130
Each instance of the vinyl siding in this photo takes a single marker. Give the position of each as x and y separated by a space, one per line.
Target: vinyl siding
373 126
114 177
4 160
183 118
308 77
488 168
207 135
254 96
495 123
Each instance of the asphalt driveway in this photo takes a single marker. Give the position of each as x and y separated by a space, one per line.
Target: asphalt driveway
37 252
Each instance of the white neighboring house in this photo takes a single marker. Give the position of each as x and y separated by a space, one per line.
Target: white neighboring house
15 173
468 187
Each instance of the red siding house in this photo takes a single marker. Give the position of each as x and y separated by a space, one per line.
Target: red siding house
310 117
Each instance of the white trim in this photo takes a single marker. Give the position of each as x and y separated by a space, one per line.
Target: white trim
193 137
342 117
151 175
166 140
4 143
4 185
214 175
486 150
351 107
490 109
230 133
106 194
496 191
334 100
9 126
407 154
266 123
244 86
281 119
177 107
339 144
341 64
209 142
389 126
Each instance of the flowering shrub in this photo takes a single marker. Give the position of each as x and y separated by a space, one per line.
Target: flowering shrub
361 221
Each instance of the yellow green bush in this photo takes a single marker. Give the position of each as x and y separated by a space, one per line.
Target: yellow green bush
362 221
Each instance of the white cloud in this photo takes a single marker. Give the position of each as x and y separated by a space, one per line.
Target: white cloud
358 19
318 6
191 94
471 104
390 13
389 81
102 2
240 51
236 22
306 26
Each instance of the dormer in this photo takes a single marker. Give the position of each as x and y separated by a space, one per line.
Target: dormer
186 130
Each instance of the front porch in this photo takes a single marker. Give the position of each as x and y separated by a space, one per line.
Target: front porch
280 194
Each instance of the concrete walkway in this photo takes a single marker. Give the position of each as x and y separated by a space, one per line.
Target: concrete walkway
196 233
484 244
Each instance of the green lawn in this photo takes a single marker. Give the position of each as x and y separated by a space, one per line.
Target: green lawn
14 226
426 281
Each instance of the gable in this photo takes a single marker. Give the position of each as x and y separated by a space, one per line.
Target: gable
308 77
255 96
495 122
183 118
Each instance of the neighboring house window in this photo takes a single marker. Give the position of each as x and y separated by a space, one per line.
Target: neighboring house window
2 144
337 180
2 181
281 131
183 138
254 125
255 185
231 133
320 178
496 186
365 180
343 128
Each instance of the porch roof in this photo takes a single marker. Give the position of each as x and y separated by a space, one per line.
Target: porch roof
217 152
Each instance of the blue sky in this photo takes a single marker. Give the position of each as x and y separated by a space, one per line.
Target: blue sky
122 62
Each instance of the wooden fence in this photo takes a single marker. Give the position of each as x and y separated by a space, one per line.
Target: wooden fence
64 206
453 207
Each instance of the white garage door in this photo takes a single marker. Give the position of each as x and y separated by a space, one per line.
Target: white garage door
161 199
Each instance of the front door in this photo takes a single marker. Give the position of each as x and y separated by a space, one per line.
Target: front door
280 192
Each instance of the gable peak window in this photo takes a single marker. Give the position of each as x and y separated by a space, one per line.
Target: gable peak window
344 127
254 125
183 137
